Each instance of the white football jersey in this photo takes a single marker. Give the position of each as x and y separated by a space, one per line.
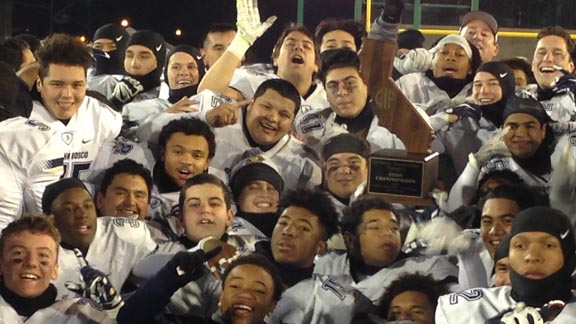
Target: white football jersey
312 126
247 80
475 306
40 150
119 243
67 311
465 187
338 266
425 94
475 265
320 299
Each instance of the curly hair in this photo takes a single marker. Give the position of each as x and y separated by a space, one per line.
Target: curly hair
318 203
411 282
63 49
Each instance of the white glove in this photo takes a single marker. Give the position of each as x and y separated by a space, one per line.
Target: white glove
332 128
522 315
442 233
248 20
126 89
417 60
493 148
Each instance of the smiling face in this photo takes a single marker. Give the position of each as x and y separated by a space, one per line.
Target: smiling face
269 117
480 34
247 294
523 134
28 262
205 212
182 71
75 217
497 217
127 195
346 91
297 238
486 89
259 197
63 90
184 157
344 172
451 61
297 57
535 255
378 238
550 51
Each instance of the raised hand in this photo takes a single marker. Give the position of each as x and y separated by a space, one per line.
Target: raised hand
96 286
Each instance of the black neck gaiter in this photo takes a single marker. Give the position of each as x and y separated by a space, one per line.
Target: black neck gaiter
536 293
289 275
539 163
162 180
493 112
360 122
27 306
108 63
265 222
174 95
148 81
450 85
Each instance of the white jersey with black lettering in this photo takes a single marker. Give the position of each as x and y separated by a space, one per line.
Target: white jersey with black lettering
114 151
38 151
337 265
67 311
119 243
296 162
89 128
311 127
247 81
475 306
561 108
320 299
149 128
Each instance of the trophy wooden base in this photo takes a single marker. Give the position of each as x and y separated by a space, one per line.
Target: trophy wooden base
406 179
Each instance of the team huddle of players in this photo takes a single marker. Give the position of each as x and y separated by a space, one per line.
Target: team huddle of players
147 184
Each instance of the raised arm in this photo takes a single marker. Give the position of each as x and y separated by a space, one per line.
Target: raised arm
250 27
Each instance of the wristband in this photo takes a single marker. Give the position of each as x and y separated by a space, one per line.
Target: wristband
239 46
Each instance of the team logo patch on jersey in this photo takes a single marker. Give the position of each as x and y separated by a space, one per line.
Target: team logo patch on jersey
155 202
34 123
305 108
122 148
67 137
310 123
236 226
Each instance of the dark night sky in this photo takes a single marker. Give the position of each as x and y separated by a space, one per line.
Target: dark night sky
192 16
